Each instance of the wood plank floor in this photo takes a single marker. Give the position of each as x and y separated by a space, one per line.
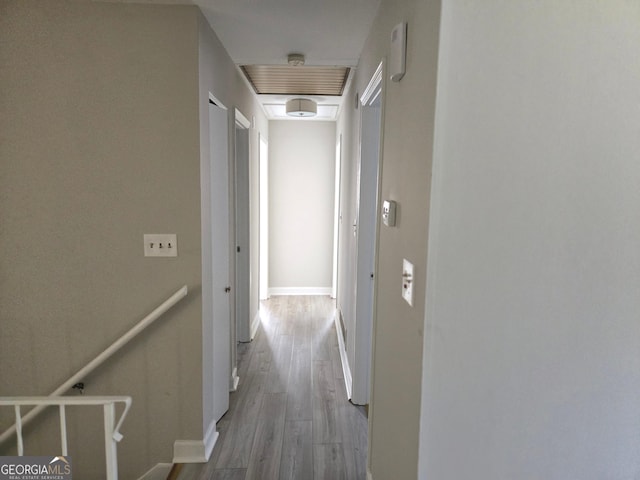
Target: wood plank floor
290 418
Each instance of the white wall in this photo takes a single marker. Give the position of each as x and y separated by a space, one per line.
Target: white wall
532 365
301 199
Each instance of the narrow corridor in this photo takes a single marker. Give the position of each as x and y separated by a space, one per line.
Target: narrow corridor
290 417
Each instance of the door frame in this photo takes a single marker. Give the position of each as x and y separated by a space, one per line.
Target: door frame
240 323
336 218
220 255
263 189
366 280
242 156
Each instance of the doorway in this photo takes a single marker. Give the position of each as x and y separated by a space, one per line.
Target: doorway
242 217
366 229
336 218
220 257
263 160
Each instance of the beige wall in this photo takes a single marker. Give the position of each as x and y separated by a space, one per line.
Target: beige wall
100 143
406 177
100 126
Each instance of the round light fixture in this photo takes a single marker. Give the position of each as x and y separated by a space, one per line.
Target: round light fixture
302 107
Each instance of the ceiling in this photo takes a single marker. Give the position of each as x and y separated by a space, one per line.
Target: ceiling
264 32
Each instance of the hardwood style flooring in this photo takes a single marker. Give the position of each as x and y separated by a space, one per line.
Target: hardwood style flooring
290 417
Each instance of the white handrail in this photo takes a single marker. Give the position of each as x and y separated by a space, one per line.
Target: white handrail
112 433
100 359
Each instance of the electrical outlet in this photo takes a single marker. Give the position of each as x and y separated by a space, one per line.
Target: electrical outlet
407 281
160 245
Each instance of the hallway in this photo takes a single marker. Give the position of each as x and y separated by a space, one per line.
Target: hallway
289 418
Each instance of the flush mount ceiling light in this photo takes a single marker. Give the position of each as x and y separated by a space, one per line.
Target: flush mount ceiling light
302 107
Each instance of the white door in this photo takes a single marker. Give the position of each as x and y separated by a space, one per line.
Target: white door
366 231
242 193
336 220
219 145
264 219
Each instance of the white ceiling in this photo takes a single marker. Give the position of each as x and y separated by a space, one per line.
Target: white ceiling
263 32
327 32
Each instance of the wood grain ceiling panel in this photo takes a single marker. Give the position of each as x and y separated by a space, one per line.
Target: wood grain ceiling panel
302 80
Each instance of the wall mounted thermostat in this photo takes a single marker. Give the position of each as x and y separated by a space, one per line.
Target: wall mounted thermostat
389 213
398 53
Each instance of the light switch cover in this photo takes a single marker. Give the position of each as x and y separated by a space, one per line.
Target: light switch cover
407 281
160 245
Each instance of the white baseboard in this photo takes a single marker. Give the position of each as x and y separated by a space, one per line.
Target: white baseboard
255 324
235 380
195 451
343 356
158 472
300 291
210 439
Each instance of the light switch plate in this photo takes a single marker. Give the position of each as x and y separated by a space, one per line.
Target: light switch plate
160 245
407 281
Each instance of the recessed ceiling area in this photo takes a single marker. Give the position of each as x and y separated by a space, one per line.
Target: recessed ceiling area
300 80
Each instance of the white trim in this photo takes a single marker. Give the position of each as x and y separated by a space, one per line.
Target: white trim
160 470
235 380
255 324
299 291
217 102
346 371
368 96
241 120
196 451
369 476
210 439
188 451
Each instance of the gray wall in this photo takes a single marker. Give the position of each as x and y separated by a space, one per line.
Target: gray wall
531 363
301 199
100 143
409 108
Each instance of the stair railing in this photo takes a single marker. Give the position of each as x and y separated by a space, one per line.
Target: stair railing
112 433
101 358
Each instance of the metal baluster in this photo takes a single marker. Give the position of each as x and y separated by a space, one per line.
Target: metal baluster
19 431
111 454
63 430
